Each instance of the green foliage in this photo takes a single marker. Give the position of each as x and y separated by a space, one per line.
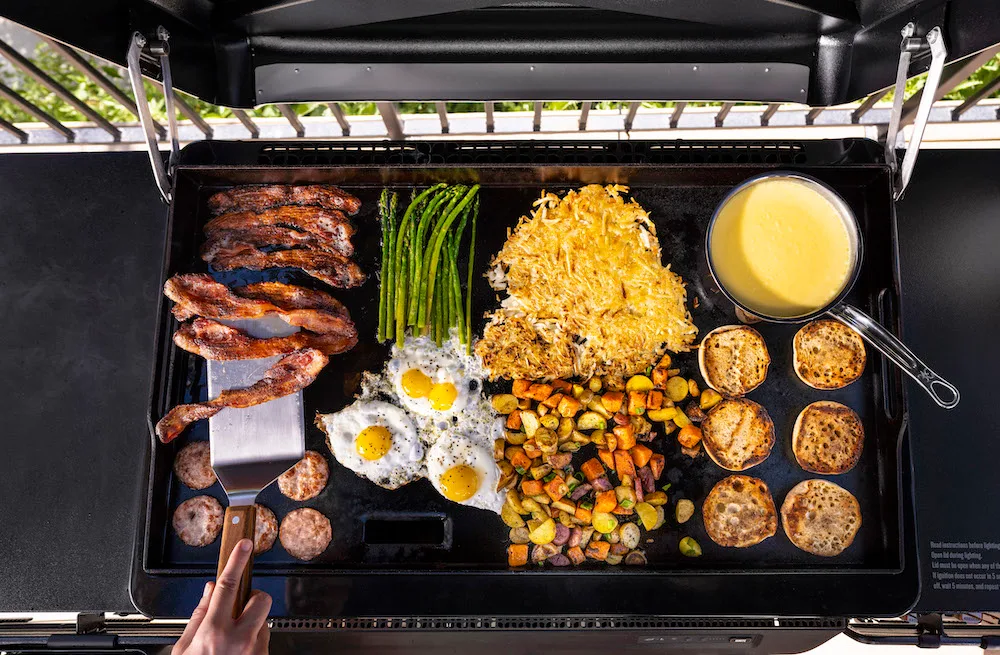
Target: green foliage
97 98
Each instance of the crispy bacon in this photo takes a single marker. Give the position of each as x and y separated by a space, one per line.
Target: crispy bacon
198 294
258 198
290 374
223 242
330 226
213 340
336 270
315 311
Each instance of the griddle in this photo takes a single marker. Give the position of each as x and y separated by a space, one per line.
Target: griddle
422 539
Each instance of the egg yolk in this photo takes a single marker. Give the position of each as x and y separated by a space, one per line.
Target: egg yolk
442 396
416 384
459 483
373 442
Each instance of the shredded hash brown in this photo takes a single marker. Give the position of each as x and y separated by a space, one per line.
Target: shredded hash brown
587 294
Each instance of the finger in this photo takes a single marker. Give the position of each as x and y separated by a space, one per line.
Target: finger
255 613
197 616
221 605
262 643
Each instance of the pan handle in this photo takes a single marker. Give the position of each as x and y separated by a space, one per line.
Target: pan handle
943 392
240 523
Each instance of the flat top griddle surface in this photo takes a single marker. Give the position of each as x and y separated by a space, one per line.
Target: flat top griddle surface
469 539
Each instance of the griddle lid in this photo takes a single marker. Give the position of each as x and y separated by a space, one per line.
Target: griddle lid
242 53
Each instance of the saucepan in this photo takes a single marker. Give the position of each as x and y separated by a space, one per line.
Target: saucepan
943 392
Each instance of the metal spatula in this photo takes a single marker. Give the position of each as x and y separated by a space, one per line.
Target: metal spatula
251 447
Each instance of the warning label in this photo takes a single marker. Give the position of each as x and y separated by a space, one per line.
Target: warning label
965 565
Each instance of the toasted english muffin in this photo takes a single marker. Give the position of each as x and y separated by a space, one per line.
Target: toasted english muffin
827 354
827 438
733 359
820 517
739 512
738 434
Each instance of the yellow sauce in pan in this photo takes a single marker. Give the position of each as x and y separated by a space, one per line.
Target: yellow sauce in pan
781 248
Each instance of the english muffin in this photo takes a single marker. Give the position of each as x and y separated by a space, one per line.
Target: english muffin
738 434
820 517
827 438
827 354
739 512
733 359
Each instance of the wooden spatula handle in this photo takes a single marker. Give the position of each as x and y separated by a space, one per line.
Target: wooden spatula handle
240 523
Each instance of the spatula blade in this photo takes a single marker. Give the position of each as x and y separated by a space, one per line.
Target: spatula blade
252 446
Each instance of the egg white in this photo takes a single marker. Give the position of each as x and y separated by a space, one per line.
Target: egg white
403 462
441 364
453 449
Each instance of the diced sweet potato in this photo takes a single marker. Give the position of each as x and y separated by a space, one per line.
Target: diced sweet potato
514 420
575 555
556 488
626 436
592 469
561 386
656 464
689 436
518 458
531 449
640 454
520 389
584 515
539 391
598 550
654 399
517 554
636 403
612 401
606 501
607 458
659 377
623 463
553 401
569 406
532 487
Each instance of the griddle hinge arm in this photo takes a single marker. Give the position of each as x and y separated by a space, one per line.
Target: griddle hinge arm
939 52
155 51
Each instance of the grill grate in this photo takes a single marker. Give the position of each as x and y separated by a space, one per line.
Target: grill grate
569 623
416 153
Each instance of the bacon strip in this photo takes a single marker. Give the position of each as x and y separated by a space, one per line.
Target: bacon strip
217 341
336 270
258 198
198 294
289 375
223 242
330 226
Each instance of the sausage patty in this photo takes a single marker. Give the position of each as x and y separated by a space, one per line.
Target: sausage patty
307 478
305 533
266 530
198 521
193 465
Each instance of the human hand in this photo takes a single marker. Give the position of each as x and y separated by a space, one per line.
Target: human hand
212 629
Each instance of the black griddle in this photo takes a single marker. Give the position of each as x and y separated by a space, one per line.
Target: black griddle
680 185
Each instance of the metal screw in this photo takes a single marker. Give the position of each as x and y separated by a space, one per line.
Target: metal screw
260 92
236 520
767 70
531 68
694 68
296 71
368 68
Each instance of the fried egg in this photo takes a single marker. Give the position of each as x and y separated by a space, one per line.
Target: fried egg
376 440
431 380
463 471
